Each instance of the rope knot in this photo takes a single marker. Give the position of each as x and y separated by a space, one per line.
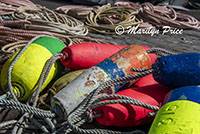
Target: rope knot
89 115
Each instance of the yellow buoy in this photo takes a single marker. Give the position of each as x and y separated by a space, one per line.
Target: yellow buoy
180 113
27 70
177 117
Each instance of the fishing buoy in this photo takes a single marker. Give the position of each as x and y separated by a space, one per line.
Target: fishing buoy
118 65
146 81
126 115
27 70
86 55
62 82
180 113
190 93
178 70
66 79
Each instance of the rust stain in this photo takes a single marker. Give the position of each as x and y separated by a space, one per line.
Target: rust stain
85 95
89 83
88 77
117 76
99 75
133 56
114 70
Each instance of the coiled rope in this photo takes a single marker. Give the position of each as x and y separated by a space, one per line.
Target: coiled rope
9 6
160 16
106 18
77 11
26 22
44 19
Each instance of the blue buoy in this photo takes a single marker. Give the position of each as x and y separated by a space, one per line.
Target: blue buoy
190 93
177 70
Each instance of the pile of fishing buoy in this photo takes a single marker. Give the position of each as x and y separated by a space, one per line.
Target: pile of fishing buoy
118 85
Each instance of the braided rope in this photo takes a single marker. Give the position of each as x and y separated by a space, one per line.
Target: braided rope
137 70
124 99
133 101
160 51
44 76
25 108
7 123
39 125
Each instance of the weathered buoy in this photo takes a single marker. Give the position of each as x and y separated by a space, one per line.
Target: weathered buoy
118 65
153 56
180 114
126 115
27 70
86 55
178 70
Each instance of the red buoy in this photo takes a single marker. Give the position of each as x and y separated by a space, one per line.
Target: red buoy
126 115
86 55
146 81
